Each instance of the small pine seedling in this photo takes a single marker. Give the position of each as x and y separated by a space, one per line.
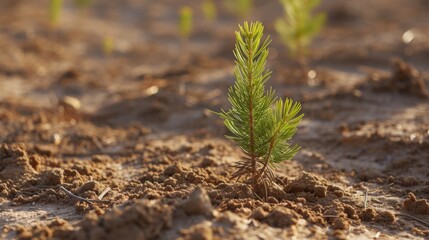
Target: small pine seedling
185 22
298 26
260 123
209 10
55 12
241 8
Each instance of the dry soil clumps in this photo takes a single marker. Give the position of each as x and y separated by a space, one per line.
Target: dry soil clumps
416 206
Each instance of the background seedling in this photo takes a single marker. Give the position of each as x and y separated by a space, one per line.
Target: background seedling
241 8
259 122
185 30
298 26
83 4
209 10
55 12
108 45
185 22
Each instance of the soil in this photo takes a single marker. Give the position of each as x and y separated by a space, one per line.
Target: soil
137 127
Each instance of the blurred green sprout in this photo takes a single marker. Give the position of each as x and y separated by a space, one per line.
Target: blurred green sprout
83 4
55 12
108 45
185 22
241 8
209 10
298 26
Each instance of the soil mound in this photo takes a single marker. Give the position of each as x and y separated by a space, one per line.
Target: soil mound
15 164
142 220
306 183
414 205
405 79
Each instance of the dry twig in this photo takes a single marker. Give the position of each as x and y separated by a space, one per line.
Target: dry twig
89 201
103 193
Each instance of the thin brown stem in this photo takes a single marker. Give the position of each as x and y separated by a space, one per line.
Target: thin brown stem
266 160
270 150
251 127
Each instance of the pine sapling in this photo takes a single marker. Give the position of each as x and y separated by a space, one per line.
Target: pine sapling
298 26
259 122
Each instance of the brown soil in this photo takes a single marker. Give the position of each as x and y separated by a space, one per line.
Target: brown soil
137 126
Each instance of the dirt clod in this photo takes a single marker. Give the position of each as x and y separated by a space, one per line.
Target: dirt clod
368 215
57 228
198 232
142 220
350 211
339 235
231 191
198 203
208 161
170 181
414 205
259 213
306 183
52 177
281 217
385 217
173 169
35 162
14 163
408 181
405 79
340 224
320 191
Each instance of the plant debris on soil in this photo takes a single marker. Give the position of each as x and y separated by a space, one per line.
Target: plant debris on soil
96 146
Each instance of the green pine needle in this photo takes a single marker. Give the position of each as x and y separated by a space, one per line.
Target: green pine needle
260 123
